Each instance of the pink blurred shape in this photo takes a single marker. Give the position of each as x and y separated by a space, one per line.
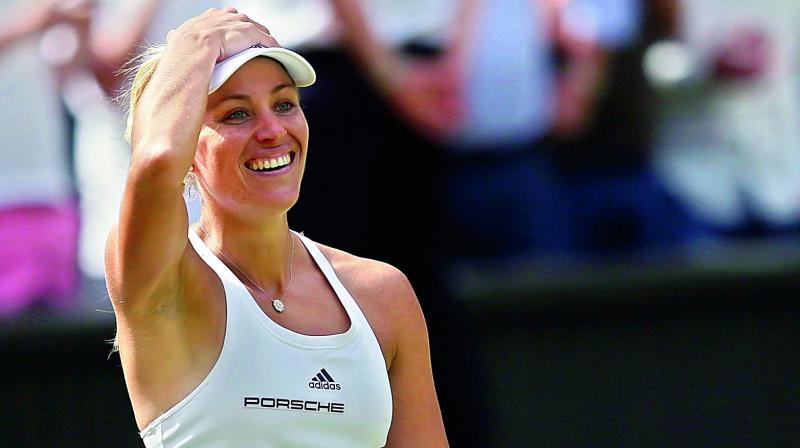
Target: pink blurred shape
38 256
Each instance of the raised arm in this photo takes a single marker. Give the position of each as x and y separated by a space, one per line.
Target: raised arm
425 93
115 42
145 250
584 70
117 38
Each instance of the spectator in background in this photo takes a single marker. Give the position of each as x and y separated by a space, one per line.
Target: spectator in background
728 136
344 100
503 195
488 97
38 208
618 203
476 95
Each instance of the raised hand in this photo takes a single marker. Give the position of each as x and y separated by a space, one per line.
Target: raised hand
225 31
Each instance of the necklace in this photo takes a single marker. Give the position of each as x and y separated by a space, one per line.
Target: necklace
277 302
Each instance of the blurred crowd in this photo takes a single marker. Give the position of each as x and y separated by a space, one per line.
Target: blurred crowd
442 130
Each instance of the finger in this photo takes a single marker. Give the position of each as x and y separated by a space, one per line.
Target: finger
251 35
245 38
265 39
261 27
245 18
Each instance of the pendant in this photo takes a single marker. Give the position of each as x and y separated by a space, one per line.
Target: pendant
277 304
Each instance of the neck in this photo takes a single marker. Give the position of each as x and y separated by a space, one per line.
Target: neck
258 254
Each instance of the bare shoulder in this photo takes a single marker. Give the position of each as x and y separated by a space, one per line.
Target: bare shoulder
383 293
371 279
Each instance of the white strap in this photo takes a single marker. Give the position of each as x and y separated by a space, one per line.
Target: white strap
327 270
211 260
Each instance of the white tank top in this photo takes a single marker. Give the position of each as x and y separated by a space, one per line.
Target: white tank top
272 387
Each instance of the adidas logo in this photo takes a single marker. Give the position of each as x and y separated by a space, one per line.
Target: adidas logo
324 380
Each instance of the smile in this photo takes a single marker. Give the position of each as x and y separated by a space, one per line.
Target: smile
270 164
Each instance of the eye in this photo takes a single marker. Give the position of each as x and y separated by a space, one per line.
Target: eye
284 106
237 115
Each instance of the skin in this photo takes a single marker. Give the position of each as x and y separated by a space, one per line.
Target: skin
170 306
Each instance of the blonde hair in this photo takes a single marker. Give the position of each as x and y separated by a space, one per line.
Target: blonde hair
142 68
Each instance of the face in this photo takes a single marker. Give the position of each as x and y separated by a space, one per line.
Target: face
252 147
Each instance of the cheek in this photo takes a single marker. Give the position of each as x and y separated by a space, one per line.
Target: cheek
213 146
299 129
209 157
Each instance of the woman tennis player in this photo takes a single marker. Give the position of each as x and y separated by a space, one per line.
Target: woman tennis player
244 333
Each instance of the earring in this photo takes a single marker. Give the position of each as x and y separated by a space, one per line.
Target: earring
190 188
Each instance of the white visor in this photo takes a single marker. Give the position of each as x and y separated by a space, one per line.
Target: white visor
298 68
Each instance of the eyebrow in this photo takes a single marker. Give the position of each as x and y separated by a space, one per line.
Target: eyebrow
280 87
275 90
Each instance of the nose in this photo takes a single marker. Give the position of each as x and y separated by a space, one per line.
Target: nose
270 128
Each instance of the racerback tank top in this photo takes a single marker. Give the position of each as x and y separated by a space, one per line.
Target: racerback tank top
272 387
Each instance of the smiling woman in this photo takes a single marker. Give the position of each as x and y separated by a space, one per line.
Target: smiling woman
220 326
253 122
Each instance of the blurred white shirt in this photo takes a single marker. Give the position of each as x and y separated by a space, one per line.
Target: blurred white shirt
33 147
734 147
510 93
611 23
313 23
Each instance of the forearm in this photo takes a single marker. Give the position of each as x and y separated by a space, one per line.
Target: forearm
375 57
169 114
585 67
585 71
113 45
21 23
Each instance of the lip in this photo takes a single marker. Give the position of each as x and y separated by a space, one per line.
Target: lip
292 156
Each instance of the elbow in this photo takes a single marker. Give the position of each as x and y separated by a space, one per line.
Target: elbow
159 165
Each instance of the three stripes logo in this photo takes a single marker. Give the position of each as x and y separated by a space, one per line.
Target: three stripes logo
324 380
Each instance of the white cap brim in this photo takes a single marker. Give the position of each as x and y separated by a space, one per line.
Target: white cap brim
298 68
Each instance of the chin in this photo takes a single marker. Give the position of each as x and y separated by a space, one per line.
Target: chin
281 203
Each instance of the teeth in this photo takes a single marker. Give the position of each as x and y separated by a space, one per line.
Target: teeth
277 162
